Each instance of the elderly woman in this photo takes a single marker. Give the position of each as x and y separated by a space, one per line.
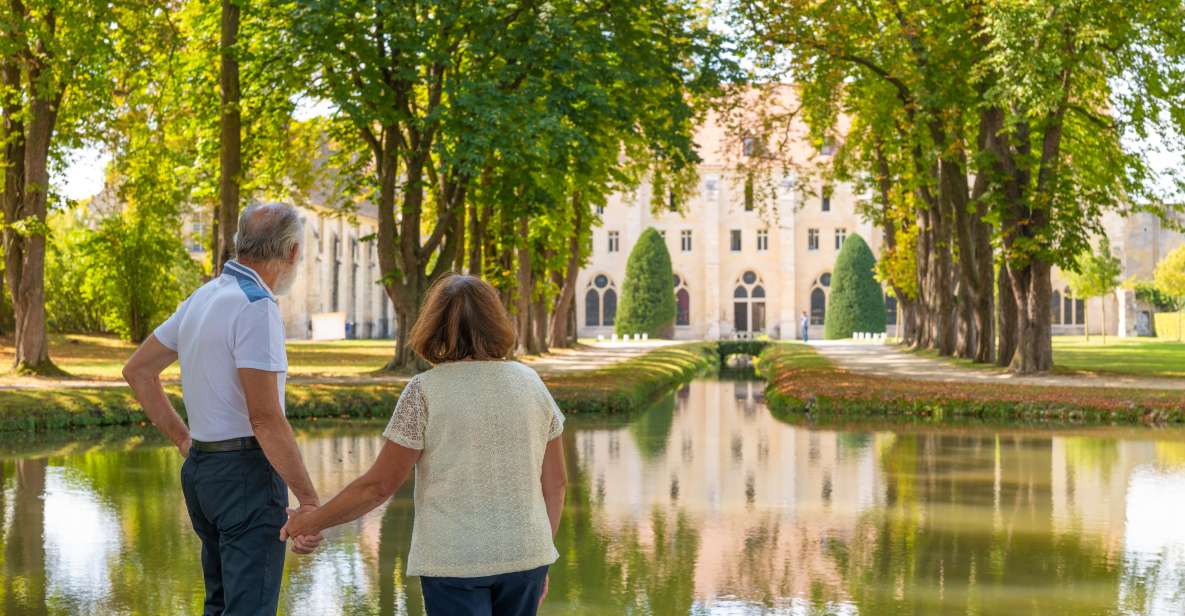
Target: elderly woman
483 435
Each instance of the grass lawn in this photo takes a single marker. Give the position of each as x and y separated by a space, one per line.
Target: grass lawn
102 357
1134 356
805 385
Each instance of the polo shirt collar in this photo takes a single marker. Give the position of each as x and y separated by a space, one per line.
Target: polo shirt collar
238 270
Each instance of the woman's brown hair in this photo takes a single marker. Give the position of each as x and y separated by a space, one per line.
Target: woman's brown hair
462 318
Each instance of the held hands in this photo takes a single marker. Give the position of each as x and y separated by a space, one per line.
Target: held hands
298 529
183 447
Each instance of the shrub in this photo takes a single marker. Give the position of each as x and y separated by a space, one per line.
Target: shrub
71 304
648 295
856 303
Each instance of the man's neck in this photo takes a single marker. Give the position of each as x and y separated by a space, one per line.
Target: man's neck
267 270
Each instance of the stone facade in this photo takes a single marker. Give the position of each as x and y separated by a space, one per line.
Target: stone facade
743 268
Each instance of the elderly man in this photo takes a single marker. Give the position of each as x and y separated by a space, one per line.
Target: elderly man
240 454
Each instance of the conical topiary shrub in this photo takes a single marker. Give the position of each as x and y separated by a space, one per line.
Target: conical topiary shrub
856 303
648 295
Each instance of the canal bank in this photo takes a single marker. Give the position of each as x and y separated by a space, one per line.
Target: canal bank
614 388
804 385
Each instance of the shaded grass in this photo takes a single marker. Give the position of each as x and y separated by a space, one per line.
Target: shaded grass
621 387
101 358
801 383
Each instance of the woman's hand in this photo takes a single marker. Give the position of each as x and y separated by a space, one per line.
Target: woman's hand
304 539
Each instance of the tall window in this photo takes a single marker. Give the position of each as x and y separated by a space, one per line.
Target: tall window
1055 308
749 197
812 239
841 234
685 240
890 310
818 305
826 200
748 304
734 240
682 302
600 302
600 209
337 273
710 185
762 239
614 241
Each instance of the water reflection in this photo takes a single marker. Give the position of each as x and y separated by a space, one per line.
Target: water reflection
703 504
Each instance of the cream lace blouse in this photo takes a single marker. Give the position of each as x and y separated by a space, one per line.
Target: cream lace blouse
483 427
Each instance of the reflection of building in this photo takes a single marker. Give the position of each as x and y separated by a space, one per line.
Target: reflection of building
745 262
337 292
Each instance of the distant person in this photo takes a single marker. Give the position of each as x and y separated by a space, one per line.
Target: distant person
806 326
483 434
240 454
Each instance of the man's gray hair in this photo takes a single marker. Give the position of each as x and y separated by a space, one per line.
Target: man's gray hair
267 232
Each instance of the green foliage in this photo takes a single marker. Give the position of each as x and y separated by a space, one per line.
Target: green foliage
648 294
856 302
141 272
1170 274
1098 272
1147 292
1168 325
70 300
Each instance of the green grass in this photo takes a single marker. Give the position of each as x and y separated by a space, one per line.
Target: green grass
101 358
618 388
1127 356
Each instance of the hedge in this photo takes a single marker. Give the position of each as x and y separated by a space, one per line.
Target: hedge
856 302
648 295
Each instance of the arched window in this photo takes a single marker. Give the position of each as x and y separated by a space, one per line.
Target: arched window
1067 307
818 306
592 308
682 303
890 310
1055 308
600 302
748 305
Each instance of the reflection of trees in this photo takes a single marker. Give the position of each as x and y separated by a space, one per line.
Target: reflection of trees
652 429
398 594
966 524
24 548
609 569
158 569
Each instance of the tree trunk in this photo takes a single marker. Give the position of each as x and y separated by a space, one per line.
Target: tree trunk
567 281
25 202
1034 347
540 321
522 295
476 239
1103 308
1007 320
230 137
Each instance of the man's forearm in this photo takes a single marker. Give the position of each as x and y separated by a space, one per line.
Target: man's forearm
279 445
151 395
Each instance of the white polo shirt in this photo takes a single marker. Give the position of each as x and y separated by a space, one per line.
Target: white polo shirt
231 322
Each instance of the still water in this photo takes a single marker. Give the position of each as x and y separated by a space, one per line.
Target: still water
704 504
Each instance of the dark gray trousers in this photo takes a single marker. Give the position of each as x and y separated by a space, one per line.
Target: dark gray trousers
237 504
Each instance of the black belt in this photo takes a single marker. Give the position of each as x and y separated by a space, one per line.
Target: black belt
231 444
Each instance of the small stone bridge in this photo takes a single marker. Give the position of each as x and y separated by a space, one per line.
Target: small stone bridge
728 348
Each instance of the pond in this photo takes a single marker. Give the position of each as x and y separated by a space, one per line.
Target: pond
703 504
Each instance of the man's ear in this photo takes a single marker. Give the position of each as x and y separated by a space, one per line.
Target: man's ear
294 254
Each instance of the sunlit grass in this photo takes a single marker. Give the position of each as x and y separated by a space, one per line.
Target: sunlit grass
1131 356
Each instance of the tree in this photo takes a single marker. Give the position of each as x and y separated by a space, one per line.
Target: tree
1097 276
55 60
648 293
1170 280
856 302
229 135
